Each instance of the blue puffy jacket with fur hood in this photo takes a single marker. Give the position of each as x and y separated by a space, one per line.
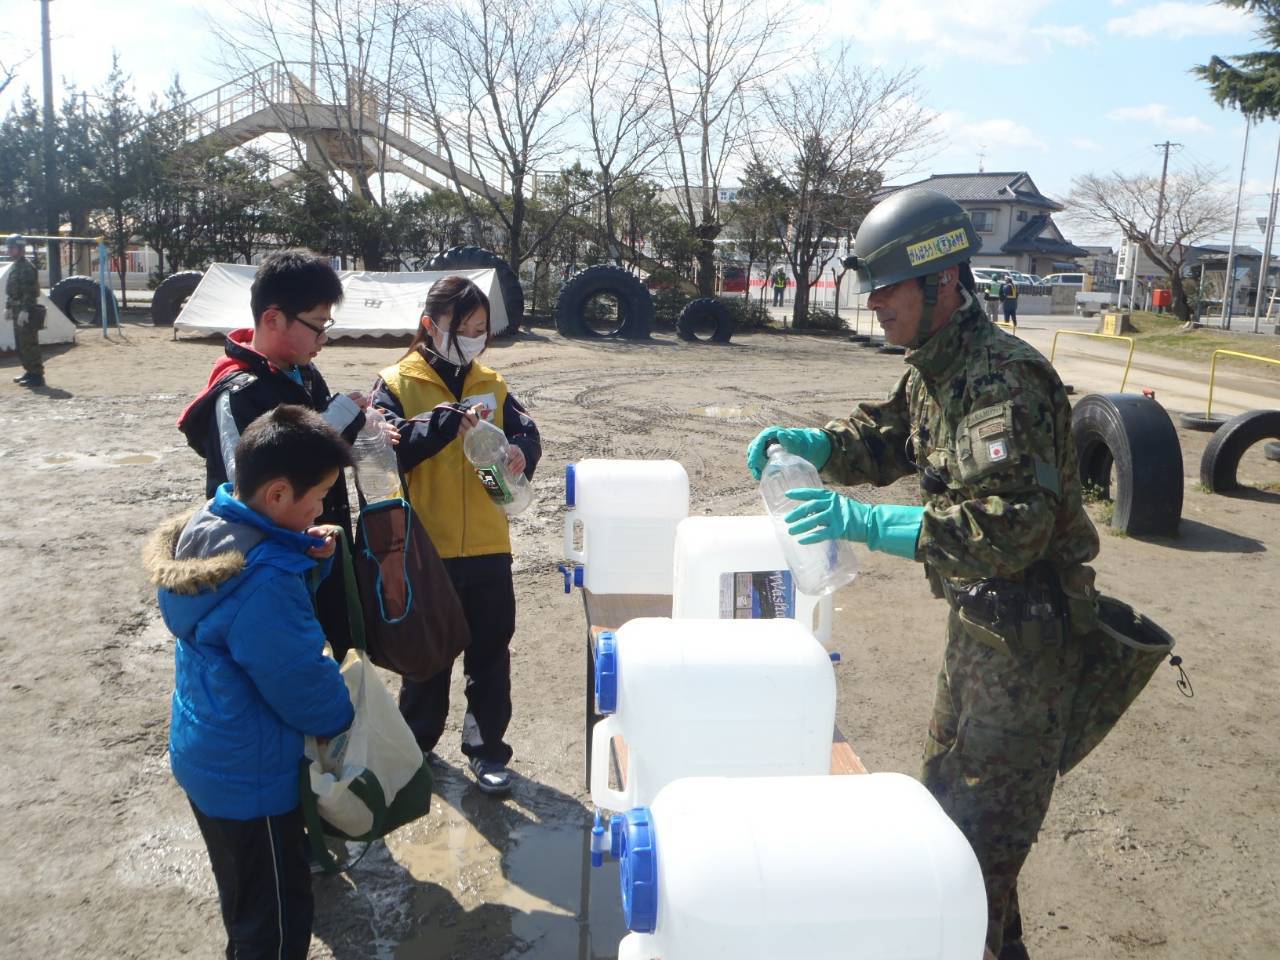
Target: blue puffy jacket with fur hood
251 674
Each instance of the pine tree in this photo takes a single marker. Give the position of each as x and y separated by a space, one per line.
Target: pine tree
1249 82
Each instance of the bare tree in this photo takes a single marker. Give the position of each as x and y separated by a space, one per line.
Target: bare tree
619 102
493 78
837 131
713 57
1195 209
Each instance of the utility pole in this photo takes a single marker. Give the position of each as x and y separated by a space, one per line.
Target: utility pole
51 190
1263 267
1164 176
1229 281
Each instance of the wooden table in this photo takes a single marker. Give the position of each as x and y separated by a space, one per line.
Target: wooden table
609 611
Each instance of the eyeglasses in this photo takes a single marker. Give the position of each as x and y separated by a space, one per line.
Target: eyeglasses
319 331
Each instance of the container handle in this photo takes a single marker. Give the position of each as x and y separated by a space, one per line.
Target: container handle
602 795
571 552
820 609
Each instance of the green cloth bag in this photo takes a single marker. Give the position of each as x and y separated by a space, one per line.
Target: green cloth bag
1122 649
373 778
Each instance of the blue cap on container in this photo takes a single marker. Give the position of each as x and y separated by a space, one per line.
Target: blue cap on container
639 871
570 493
606 673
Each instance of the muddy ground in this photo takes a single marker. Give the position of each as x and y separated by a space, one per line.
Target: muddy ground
1163 844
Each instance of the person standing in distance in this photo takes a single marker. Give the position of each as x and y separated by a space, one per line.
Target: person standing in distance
984 422
22 291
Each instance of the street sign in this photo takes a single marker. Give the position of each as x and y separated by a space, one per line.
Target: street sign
1126 260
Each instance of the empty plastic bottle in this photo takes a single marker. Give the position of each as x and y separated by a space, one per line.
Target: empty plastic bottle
376 470
819 568
487 448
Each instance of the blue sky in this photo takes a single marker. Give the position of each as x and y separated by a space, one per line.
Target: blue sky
1057 89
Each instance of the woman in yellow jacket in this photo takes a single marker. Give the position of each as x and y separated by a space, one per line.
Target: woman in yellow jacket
434 395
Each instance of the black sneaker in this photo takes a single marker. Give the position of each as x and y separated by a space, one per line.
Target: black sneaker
491 777
22 378
32 380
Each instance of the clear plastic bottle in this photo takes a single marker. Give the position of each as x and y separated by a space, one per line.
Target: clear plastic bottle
485 445
819 568
377 473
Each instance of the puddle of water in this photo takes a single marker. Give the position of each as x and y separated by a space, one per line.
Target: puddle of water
527 885
135 459
727 413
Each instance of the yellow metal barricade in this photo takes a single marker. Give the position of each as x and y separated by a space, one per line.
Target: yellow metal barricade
1128 362
1213 370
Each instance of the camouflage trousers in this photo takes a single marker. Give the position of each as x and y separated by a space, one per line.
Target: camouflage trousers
994 743
27 336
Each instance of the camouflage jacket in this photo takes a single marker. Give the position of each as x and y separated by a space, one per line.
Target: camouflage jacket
22 289
984 420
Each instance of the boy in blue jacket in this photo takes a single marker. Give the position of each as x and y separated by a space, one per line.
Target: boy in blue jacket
252 678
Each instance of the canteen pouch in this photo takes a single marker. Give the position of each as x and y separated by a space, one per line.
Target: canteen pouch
1122 649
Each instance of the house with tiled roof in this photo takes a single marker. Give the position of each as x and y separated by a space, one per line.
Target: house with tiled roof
1013 218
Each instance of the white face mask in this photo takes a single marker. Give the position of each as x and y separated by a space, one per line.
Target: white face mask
467 349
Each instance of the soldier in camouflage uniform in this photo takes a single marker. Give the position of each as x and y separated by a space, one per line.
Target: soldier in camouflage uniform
22 291
985 423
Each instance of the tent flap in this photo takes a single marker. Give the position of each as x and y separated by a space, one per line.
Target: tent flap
375 305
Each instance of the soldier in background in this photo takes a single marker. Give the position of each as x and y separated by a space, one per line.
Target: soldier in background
984 422
22 291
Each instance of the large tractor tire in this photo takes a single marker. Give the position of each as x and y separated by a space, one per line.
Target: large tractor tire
172 295
478 258
1206 423
80 298
635 304
1222 456
1134 435
705 320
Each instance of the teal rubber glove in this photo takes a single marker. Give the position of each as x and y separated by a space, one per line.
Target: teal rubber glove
826 515
812 445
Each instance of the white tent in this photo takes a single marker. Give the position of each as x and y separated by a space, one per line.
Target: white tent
375 304
57 328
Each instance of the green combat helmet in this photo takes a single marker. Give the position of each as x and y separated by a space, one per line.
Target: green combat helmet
913 233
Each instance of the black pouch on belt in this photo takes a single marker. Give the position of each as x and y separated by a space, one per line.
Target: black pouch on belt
1121 653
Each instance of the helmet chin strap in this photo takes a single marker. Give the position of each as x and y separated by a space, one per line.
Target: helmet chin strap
923 331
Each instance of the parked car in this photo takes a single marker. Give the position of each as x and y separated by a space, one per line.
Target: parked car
1065 280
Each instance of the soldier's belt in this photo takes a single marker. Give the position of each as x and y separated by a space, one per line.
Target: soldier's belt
998 602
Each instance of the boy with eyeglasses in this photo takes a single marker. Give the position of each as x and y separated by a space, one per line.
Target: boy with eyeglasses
292 298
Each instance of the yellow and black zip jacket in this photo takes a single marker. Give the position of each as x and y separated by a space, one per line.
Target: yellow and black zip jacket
425 400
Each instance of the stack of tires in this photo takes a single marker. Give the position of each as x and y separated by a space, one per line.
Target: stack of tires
634 304
478 258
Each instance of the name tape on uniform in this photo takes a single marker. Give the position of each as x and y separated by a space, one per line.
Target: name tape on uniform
935 248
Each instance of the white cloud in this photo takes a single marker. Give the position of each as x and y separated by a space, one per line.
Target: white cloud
990 136
1084 143
1178 20
1067 36
1159 114
1003 30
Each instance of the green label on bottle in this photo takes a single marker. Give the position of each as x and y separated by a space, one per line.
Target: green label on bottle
496 484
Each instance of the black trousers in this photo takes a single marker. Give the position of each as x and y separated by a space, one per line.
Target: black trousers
264 884
489 603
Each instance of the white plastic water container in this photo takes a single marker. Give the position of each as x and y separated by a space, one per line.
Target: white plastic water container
628 511
727 698
734 568
819 868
